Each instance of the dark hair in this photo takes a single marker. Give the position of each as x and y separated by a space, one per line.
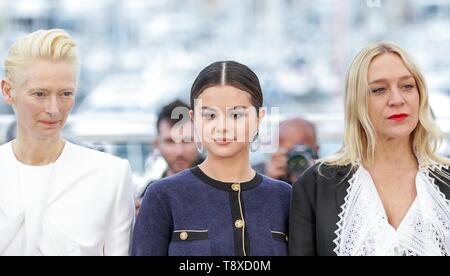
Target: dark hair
166 114
228 73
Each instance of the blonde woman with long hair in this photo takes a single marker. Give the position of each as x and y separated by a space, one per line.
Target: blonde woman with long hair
56 198
387 192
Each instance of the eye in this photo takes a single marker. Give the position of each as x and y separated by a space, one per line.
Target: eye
67 94
378 90
39 94
408 86
209 115
237 115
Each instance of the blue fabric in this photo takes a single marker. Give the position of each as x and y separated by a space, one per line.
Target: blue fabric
185 202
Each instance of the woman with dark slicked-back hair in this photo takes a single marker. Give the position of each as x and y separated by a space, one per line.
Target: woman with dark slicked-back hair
221 207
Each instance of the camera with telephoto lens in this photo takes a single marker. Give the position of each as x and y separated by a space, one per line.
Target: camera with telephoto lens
300 158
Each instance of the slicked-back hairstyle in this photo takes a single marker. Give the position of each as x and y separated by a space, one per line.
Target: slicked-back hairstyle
55 44
228 73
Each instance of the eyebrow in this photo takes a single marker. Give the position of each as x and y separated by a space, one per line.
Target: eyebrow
32 90
208 108
37 90
239 107
233 108
383 80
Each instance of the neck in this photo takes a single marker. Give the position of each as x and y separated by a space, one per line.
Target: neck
395 153
236 169
35 152
169 172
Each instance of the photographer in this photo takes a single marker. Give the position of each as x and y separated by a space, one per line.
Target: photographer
297 150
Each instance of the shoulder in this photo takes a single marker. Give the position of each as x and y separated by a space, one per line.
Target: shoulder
176 188
441 179
182 180
2 147
94 158
5 148
274 184
322 173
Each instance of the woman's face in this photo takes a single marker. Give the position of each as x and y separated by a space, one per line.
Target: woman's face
226 120
394 97
43 98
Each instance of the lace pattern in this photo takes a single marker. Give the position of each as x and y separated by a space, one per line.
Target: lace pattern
364 230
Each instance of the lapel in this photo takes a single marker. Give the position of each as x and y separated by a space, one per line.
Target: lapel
340 183
442 183
341 187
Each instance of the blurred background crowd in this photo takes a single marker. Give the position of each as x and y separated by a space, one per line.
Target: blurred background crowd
140 55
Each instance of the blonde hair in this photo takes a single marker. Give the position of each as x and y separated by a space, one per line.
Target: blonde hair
55 44
360 137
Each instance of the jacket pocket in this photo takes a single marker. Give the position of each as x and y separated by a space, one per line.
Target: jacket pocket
280 243
190 243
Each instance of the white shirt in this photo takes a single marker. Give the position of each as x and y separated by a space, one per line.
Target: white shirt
364 229
32 182
80 205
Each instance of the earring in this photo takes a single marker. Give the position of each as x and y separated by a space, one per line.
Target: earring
256 143
198 143
199 147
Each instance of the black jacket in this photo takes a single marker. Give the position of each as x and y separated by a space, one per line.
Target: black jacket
317 200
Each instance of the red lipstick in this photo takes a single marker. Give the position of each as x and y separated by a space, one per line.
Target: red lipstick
222 141
398 117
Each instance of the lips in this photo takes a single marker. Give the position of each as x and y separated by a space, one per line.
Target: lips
223 141
49 123
398 117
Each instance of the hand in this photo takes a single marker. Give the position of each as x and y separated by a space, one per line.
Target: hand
276 167
137 205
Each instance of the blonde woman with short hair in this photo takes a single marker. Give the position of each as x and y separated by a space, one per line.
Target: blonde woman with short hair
387 192
56 198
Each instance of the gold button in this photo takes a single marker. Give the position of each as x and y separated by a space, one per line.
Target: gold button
236 187
239 223
184 236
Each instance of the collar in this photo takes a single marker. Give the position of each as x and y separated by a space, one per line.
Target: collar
224 186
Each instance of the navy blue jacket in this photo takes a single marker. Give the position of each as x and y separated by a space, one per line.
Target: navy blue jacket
190 214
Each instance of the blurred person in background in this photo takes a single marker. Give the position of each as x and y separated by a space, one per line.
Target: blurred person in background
56 198
175 141
221 207
387 192
297 151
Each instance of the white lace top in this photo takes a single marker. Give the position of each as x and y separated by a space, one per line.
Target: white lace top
364 230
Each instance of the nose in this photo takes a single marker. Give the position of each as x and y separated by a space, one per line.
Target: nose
179 148
222 125
396 97
52 106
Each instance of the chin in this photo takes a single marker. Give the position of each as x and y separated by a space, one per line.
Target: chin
398 134
399 131
224 152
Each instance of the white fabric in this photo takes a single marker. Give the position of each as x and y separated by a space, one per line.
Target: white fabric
363 227
32 183
80 205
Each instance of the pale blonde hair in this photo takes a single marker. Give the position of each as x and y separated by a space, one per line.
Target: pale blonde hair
360 138
55 44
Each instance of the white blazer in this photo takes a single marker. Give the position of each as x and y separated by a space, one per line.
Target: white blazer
88 207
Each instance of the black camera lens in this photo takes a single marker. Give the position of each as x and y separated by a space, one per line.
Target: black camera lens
300 158
298 163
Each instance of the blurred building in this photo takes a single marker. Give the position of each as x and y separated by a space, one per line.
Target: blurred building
139 54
